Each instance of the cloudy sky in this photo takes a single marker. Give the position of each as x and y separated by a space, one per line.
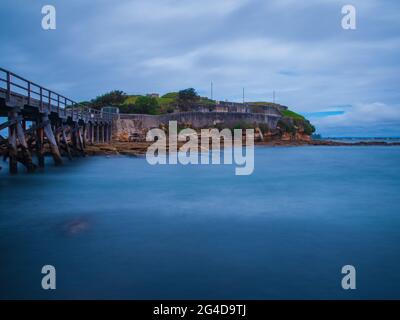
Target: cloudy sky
345 81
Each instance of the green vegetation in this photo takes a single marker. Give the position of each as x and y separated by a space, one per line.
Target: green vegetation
292 114
308 128
167 103
292 121
291 125
263 127
112 98
186 100
243 125
130 99
188 95
171 95
146 105
286 125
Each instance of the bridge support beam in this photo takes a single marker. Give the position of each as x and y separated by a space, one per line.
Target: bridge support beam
97 133
12 146
102 133
106 133
84 136
48 131
77 142
64 138
39 143
91 132
26 155
80 139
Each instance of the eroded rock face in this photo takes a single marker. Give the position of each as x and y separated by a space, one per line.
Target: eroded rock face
126 130
123 136
286 136
302 137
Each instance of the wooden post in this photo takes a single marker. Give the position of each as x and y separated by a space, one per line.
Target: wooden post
64 137
75 139
57 132
106 133
12 146
26 155
80 139
39 143
102 133
91 132
52 141
84 129
97 133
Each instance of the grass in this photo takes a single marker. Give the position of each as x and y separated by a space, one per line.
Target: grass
130 100
292 114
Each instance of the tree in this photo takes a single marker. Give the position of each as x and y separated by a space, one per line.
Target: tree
189 94
112 98
186 98
146 105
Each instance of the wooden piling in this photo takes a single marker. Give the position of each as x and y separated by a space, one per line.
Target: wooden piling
106 133
65 140
91 133
39 144
84 136
97 133
12 146
80 140
73 139
26 154
52 141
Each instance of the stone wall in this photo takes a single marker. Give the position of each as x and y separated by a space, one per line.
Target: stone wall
132 123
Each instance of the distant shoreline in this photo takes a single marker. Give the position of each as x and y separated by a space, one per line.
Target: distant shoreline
327 143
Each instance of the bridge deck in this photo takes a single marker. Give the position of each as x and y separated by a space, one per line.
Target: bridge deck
59 126
16 91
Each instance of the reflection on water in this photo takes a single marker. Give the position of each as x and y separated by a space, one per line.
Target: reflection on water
119 228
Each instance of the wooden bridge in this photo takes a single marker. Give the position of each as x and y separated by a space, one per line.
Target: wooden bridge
59 125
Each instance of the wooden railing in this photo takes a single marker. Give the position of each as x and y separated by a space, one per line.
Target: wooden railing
15 84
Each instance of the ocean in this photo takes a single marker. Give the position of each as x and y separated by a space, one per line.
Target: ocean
118 228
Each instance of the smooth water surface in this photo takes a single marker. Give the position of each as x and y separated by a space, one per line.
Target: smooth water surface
119 228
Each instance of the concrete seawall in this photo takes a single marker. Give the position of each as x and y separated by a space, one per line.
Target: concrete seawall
130 123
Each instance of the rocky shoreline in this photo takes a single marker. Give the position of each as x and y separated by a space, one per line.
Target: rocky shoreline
136 149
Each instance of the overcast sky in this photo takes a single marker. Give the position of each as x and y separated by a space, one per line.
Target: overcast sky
345 81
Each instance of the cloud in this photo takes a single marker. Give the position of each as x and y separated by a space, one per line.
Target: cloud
296 49
370 117
173 10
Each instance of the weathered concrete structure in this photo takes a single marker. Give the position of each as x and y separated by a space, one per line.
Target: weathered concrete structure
129 124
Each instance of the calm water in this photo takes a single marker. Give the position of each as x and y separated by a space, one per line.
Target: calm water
119 228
